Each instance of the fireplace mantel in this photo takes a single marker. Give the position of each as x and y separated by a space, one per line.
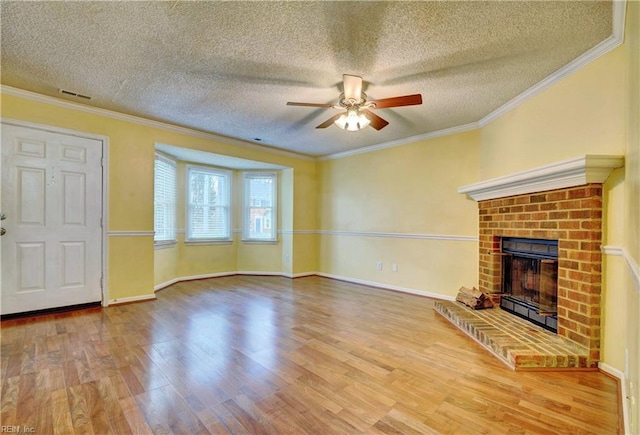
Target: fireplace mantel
568 173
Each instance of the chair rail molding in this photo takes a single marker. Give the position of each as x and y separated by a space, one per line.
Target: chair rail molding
632 265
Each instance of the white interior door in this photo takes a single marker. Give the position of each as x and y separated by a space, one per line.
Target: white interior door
51 197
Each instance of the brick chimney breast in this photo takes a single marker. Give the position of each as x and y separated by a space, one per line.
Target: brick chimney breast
560 202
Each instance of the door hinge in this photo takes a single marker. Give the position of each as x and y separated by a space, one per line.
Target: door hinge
102 283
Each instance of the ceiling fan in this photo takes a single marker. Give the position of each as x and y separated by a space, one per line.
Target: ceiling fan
358 113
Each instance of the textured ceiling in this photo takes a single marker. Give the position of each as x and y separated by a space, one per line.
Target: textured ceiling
229 68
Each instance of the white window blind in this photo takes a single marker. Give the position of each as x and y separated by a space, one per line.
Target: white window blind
208 208
260 222
164 200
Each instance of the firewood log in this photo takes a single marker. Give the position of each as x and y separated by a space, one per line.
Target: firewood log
473 298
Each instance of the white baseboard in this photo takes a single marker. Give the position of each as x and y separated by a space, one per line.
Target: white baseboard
239 272
259 273
304 274
301 275
117 301
166 284
191 278
387 286
623 391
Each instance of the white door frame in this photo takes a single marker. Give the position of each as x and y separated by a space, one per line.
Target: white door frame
105 187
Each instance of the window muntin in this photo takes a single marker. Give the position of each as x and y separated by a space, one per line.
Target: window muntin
164 200
260 206
208 204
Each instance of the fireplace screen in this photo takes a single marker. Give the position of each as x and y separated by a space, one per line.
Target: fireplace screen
530 280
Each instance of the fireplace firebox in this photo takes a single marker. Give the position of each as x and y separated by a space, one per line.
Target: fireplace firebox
530 280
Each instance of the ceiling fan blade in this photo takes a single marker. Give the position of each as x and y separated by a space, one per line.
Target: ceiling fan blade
329 121
376 122
352 87
406 100
292 103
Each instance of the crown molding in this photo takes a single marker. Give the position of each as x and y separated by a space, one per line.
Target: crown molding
567 173
619 16
33 96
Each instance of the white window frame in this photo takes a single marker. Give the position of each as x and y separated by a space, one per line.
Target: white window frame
167 239
273 218
228 176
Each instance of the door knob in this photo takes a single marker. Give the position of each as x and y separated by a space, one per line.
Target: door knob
2 231
2 216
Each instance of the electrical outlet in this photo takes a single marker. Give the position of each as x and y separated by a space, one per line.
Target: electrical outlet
379 265
394 268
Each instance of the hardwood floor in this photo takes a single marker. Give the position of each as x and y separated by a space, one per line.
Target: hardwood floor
274 355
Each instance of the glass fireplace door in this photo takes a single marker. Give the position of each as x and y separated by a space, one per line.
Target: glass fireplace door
530 280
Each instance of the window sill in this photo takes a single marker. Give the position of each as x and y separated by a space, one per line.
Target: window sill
208 242
164 244
260 242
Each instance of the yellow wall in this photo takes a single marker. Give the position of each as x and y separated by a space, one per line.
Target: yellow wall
286 221
305 252
614 297
130 263
632 212
202 260
165 265
400 206
581 114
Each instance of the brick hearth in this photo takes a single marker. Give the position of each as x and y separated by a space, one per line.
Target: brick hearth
573 216
520 344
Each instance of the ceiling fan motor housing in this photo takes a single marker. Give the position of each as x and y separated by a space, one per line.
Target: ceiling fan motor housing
352 102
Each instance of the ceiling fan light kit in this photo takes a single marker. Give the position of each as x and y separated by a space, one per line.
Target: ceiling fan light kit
352 120
358 114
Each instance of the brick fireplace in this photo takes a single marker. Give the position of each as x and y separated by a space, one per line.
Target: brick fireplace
573 217
563 203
